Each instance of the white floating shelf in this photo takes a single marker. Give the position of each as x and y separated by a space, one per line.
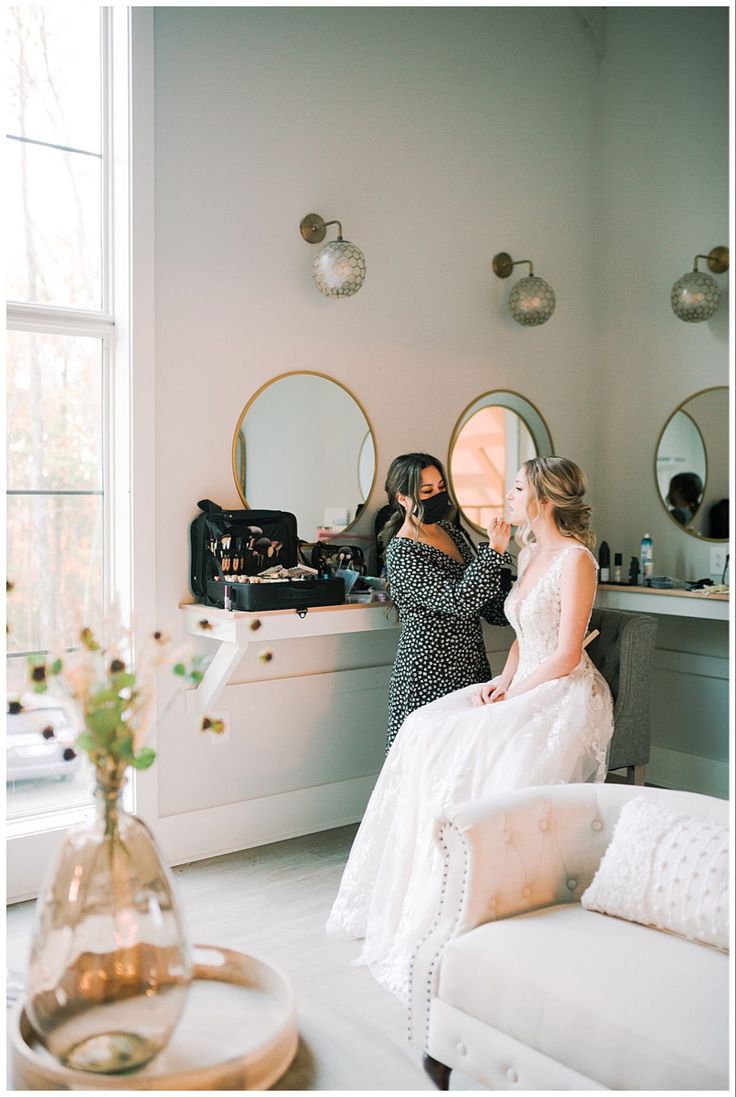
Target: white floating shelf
235 630
672 603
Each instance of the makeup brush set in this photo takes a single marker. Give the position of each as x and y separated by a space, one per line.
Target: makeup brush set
249 560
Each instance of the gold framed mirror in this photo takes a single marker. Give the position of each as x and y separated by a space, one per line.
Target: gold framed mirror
303 443
691 465
492 438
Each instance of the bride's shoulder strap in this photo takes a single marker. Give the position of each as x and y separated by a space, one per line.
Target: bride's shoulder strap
586 550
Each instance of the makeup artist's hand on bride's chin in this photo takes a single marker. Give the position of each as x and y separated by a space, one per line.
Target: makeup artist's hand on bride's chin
490 692
499 534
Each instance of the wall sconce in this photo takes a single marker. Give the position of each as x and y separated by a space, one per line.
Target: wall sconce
338 269
695 296
532 300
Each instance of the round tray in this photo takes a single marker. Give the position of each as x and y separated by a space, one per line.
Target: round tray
238 1031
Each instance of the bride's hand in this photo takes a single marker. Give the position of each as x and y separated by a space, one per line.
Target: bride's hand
499 535
490 692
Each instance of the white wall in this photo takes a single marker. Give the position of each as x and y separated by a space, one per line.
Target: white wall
438 137
662 180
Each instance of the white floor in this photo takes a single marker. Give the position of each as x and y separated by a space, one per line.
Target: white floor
273 901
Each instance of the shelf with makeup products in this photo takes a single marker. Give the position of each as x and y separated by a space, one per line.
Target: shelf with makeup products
235 630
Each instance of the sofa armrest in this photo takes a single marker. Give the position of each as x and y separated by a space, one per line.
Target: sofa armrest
502 856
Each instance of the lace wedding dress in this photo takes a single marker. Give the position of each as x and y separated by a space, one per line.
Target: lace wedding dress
450 751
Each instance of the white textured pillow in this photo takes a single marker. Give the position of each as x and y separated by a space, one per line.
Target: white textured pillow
665 870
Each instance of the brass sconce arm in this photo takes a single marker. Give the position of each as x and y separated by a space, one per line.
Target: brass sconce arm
717 260
313 228
503 264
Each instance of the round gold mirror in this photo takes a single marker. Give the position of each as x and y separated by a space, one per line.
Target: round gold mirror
691 465
304 444
491 440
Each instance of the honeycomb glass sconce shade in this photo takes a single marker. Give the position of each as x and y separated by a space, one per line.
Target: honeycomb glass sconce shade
532 300
695 296
338 269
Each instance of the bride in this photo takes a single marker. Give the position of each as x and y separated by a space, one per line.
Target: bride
546 719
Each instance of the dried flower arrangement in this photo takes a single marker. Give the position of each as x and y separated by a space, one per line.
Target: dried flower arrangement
114 699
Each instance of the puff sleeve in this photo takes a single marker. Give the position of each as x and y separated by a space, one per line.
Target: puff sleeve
422 585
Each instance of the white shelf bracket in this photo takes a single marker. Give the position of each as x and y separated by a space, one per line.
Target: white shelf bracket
217 675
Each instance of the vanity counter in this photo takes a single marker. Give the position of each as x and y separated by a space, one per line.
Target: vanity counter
672 603
234 630
690 684
283 624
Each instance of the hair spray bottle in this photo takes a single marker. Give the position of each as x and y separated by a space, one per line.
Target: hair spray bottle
604 563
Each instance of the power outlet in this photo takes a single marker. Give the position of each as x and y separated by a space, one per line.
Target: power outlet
717 561
217 738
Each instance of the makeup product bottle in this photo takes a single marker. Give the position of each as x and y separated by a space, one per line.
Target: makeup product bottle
617 566
229 597
634 572
604 563
646 558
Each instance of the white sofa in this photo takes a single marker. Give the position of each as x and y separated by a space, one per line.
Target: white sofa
519 987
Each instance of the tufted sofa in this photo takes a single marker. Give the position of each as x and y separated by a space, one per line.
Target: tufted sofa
520 987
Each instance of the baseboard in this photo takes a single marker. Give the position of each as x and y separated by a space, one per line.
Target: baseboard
215 831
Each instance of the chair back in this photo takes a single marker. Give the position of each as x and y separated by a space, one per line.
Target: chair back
624 654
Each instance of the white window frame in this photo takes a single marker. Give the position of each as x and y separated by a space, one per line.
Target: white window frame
125 327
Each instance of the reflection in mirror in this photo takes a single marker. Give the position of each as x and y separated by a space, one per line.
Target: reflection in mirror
366 466
304 444
492 439
692 465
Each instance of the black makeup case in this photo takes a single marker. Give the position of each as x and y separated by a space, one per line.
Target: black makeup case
298 594
238 542
226 544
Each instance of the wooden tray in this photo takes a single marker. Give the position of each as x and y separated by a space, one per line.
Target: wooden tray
238 1031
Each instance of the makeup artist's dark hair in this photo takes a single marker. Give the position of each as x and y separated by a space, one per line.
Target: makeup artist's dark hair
405 478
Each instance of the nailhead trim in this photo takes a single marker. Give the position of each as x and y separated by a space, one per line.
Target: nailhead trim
433 927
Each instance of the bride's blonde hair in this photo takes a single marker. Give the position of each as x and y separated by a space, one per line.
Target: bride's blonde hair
561 483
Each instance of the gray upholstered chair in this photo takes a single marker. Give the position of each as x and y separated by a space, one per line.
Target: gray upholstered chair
624 653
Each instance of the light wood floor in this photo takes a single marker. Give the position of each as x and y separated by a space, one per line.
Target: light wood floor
274 901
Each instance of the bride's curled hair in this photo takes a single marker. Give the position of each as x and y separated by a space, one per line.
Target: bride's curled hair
562 483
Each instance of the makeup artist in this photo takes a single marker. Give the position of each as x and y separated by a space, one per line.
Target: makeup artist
441 587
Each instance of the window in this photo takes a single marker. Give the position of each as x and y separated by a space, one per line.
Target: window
60 359
55 156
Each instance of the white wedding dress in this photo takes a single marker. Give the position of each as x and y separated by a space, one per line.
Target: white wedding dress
450 751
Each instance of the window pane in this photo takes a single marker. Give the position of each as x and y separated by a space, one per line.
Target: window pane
55 562
54 74
54 244
54 406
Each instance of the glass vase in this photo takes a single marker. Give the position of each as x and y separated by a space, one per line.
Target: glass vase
110 966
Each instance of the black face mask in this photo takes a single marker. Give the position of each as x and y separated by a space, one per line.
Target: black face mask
436 508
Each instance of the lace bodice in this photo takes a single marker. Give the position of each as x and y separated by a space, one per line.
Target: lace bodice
535 617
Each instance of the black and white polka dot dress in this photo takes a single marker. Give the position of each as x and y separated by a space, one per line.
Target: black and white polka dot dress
440 602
